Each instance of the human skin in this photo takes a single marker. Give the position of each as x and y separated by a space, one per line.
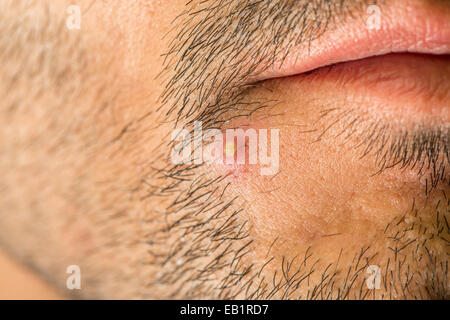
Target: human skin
86 121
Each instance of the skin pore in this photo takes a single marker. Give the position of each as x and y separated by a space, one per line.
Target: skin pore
86 118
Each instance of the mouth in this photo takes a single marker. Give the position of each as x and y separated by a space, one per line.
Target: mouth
402 65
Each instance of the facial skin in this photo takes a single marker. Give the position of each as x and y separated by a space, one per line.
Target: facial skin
85 136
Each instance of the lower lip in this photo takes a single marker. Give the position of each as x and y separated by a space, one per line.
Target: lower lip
398 84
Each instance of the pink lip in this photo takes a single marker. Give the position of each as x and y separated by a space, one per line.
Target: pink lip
402 29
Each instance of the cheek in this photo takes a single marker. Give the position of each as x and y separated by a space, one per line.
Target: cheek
319 190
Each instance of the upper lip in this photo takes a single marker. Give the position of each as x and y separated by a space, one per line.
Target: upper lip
402 29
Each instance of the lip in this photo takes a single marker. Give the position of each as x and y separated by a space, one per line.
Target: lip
403 29
413 87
